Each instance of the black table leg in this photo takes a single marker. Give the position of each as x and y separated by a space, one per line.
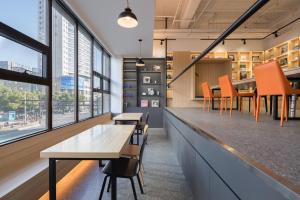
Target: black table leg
52 179
213 100
113 179
271 105
266 103
275 108
249 104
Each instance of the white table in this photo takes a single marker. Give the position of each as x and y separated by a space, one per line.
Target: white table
128 117
98 142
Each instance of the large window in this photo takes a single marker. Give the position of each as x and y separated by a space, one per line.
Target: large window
63 67
37 93
28 17
84 74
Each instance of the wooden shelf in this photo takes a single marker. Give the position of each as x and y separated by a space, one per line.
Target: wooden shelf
150 72
129 70
130 80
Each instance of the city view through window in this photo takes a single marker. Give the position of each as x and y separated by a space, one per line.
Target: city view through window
24 106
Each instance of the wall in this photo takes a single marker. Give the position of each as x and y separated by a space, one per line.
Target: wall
116 84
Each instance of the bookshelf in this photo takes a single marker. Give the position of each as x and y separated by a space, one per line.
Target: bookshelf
170 74
144 88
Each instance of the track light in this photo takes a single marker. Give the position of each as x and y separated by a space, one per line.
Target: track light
161 42
139 61
244 41
275 34
223 42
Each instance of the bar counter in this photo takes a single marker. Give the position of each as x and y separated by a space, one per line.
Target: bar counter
264 150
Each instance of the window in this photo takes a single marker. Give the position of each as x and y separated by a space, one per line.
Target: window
63 67
106 102
106 63
97 103
97 58
18 58
12 13
23 109
84 74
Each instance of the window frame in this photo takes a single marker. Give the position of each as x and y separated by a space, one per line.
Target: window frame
46 80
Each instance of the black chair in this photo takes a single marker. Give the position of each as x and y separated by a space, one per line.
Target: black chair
140 127
125 168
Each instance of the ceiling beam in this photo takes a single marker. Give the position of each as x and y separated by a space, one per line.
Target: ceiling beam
189 12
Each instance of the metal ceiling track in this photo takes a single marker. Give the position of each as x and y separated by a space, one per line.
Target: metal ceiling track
253 9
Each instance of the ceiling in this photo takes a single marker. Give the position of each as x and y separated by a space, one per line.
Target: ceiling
209 18
101 17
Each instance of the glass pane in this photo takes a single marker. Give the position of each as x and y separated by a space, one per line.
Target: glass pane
106 85
16 57
106 102
97 103
97 82
12 13
63 71
97 58
23 109
106 62
84 73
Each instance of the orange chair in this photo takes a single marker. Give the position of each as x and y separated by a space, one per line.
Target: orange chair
228 91
270 80
207 95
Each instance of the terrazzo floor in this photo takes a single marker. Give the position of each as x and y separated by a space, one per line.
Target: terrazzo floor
163 177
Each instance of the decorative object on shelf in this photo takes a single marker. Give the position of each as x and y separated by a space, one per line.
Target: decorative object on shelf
169 67
243 67
243 58
146 79
169 76
243 75
144 93
156 68
155 103
144 103
296 47
150 91
255 59
231 57
126 104
139 61
283 61
155 82
284 49
127 18
157 93
169 58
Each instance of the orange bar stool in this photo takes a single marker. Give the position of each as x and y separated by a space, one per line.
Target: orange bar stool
270 80
228 91
207 95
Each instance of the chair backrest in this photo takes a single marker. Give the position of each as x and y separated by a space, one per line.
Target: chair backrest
145 138
227 89
270 79
206 90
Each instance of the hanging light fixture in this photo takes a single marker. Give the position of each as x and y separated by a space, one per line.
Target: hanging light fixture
139 61
127 18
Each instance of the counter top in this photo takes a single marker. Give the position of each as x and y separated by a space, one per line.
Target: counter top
264 145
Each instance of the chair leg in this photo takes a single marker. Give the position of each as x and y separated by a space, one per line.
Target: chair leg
204 103
209 102
231 103
140 184
221 105
249 104
257 108
254 105
241 104
103 186
282 110
109 184
133 188
225 99
286 109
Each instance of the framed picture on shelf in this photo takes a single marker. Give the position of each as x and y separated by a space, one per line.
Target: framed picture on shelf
255 58
156 68
146 79
144 103
155 103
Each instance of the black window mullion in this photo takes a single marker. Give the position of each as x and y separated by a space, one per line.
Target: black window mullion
76 75
92 76
101 80
49 66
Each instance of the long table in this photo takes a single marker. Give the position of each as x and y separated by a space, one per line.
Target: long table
292 74
98 142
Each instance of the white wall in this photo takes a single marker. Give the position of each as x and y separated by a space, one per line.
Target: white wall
116 84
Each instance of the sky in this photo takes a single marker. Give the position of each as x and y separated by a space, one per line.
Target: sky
23 16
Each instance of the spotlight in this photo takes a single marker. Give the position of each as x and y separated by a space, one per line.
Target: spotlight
223 42
161 42
275 34
244 41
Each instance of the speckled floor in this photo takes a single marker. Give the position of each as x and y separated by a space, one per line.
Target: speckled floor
265 142
164 179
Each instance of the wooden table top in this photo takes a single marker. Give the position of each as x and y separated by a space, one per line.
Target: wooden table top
128 117
101 141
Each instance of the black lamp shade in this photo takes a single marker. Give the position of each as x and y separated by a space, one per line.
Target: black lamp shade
127 19
140 62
